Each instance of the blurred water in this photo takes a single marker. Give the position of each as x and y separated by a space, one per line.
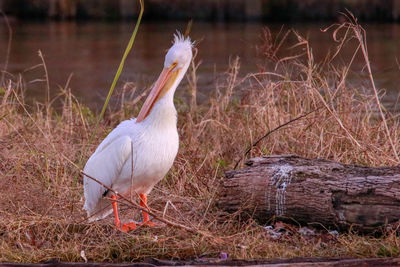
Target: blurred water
91 53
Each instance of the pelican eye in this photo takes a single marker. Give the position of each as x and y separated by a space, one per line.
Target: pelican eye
173 65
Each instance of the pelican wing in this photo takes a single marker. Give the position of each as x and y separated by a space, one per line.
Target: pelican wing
105 165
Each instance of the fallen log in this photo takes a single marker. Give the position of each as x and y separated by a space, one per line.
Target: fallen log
314 191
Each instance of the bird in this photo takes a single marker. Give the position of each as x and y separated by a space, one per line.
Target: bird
139 152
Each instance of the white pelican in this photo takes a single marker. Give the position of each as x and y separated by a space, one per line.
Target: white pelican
152 135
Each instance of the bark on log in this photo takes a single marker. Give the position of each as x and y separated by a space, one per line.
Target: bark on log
314 191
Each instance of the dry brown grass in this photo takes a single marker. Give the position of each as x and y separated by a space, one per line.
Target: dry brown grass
42 152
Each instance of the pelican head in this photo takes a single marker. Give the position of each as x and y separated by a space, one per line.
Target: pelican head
176 64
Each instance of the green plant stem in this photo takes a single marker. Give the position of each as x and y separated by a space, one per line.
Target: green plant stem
121 64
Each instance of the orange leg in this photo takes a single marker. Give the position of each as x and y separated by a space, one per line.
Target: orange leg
115 209
125 227
146 218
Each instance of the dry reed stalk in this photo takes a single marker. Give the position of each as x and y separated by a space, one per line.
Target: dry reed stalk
192 80
233 73
46 75
7 93
10 33
361 36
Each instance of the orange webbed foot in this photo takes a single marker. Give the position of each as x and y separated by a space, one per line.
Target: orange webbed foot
128 227
146 217
125 227
148 224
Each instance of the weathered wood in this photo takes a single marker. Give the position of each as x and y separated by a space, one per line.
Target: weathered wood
314 191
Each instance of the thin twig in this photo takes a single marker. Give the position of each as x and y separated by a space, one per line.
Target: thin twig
155 216
132 167
270 132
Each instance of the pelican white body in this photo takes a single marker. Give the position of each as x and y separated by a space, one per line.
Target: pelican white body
149 145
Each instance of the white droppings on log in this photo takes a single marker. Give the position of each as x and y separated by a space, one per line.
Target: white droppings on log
281 180
341 216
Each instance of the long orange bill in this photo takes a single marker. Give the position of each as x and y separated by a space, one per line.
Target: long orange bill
164 81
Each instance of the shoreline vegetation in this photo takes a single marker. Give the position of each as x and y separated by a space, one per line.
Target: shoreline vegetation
42 152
